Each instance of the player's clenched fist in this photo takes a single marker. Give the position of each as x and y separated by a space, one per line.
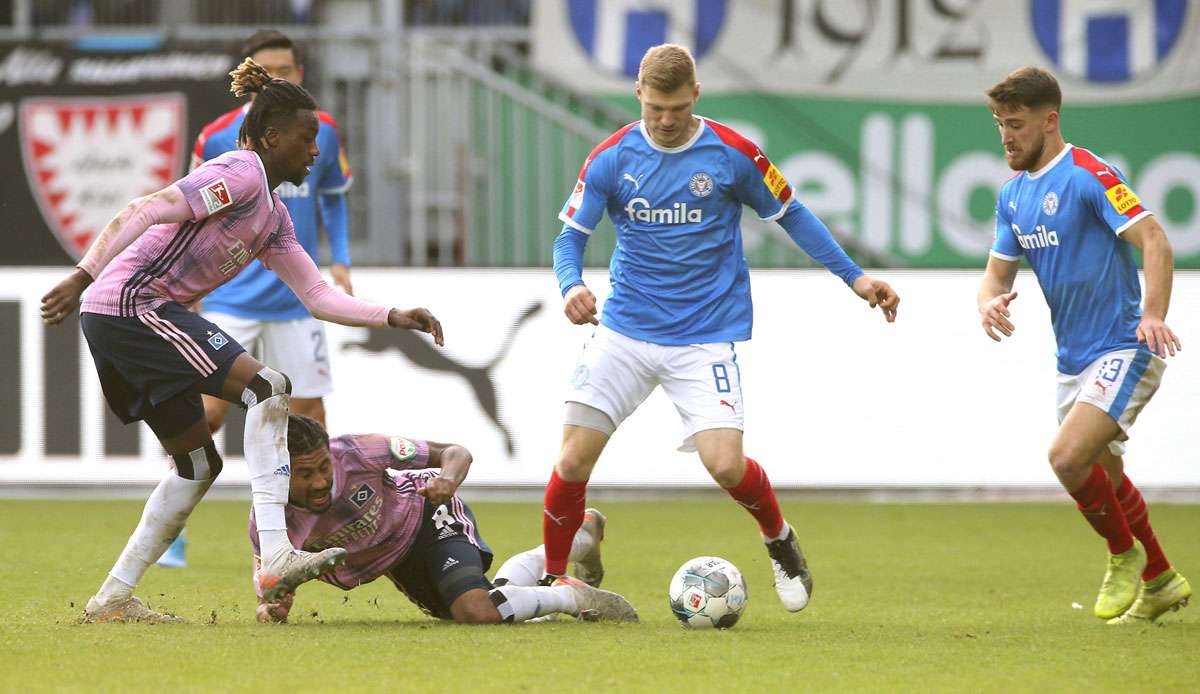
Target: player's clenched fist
580 305
995 316
438 490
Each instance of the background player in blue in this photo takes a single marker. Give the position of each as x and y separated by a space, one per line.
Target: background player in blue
674 185
1075 219
256 307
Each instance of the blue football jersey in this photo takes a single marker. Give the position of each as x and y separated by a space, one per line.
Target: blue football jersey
678 272
1066 219
256 292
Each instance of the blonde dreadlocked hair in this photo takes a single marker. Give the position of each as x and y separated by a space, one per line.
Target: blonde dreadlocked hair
275 101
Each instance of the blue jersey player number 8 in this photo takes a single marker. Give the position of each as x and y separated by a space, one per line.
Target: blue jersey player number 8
675 185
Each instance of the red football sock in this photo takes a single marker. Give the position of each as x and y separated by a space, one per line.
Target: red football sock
1138 518
756 495
562 515
1098 503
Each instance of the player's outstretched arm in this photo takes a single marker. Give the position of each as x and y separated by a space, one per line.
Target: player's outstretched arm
454 461
166 206
878 293
995 294
1159 262
814 238
300 273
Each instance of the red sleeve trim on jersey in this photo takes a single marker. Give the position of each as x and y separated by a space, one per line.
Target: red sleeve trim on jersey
343 160
216 126
772 178
1122 198
327 119
608 142
576 198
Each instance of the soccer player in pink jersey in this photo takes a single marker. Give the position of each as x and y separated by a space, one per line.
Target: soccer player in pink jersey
391 502
163 253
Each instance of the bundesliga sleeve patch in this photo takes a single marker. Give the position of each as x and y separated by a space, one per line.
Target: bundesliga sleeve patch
775 181
576 196
402 449
216 196
1122 198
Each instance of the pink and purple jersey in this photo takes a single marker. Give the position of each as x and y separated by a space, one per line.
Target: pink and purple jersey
375 513
236 219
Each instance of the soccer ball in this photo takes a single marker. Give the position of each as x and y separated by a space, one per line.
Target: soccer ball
707 592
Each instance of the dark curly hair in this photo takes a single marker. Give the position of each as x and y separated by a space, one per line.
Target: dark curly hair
305 435
275 103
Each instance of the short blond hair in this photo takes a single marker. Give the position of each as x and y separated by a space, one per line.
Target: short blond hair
667 67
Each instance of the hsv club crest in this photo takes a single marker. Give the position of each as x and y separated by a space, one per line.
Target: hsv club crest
86 157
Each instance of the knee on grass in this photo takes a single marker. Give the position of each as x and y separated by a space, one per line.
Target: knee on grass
475 607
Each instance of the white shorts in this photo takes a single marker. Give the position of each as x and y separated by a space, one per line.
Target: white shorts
615 374
296 348
1119 383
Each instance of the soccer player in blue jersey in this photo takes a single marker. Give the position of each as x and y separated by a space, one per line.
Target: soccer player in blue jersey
1075 219
256 307
674 185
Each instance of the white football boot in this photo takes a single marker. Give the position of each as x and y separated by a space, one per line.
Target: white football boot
291 569
590 569
793 582
126 609
597 605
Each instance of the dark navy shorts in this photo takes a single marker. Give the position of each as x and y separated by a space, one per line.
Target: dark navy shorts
448 558
145 361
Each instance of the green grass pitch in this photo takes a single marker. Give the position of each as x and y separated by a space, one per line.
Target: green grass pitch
951 597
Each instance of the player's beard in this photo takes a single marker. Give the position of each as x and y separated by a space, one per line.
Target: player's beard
1031 156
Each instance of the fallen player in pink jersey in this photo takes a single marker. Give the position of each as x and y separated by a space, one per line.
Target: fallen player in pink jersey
391 502
160 255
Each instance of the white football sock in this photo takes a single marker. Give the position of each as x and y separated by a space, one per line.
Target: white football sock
523 569
166 512
526 568
267 457
787 528
523 603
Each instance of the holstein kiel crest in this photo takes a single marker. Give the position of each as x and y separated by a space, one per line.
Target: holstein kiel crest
86 157
701 185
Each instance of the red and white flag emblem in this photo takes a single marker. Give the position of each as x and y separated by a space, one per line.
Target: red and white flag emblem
86 157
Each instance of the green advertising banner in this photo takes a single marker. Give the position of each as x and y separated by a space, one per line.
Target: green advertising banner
915 184
875 110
